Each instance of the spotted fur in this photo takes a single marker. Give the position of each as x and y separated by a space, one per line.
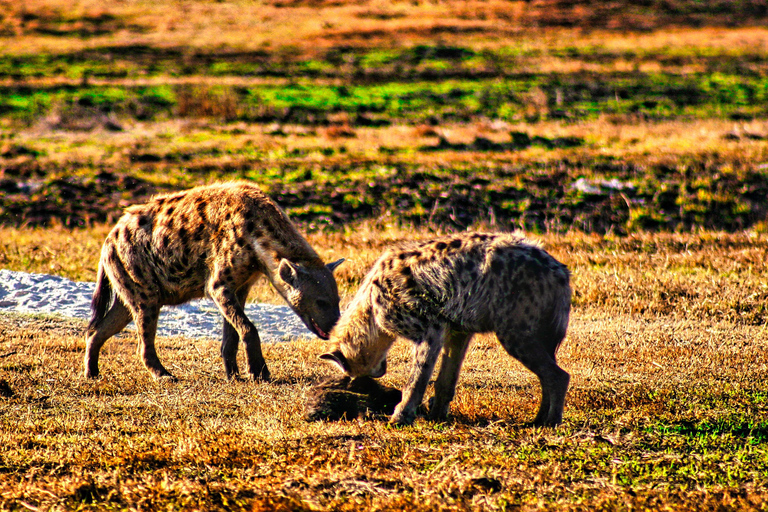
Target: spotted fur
214 240
438 293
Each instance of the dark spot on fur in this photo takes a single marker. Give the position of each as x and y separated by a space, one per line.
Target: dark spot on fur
410 283
197 236
441 246
241 241
455 243
143 295
377 283
169 211
496 266
143 221
182 233
201 210
406 271
402 256
250 226
228 216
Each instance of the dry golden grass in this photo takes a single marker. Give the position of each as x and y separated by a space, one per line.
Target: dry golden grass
37 26
662 412
667 349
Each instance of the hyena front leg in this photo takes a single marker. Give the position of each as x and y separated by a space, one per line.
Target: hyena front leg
146 325
113 322
229 306
425 352
456 344
527 349
231 340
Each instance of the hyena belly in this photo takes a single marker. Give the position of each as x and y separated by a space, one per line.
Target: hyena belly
215 241
438 293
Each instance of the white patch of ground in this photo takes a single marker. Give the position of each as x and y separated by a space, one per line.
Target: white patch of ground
22 292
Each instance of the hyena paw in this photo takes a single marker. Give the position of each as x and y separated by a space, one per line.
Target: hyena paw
437 412
88 374
402 417
261 376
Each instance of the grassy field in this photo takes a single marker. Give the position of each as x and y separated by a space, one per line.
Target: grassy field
667 409
630 138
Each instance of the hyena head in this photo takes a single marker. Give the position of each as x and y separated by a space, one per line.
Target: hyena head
312 293
359 347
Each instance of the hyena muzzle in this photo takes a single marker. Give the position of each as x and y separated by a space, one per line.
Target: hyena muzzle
438 294
214 240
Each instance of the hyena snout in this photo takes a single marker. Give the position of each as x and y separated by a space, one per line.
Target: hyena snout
321 315
313 294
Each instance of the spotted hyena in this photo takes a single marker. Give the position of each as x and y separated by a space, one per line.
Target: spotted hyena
438 293
214 240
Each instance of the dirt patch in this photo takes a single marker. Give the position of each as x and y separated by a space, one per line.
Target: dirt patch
72 201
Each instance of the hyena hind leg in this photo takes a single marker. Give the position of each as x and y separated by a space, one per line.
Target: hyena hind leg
554 380
454 351
113 322
231 340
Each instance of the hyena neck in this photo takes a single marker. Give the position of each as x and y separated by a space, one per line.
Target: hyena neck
299 253
296 250
358 326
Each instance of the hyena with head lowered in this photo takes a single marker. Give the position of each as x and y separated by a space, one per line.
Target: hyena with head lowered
213 240
438 293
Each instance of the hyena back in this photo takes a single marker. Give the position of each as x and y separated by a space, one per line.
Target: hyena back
438 293
213 240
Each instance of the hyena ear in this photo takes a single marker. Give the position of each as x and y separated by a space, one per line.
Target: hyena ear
288 272
337 358
332 266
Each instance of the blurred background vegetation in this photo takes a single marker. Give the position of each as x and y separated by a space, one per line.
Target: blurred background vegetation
544 115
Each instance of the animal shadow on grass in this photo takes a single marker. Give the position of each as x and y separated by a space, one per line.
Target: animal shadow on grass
338 398
344 398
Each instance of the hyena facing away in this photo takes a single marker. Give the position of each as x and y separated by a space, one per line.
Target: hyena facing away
214 240
438 293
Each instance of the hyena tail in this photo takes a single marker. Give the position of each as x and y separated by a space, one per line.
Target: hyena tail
102 298
552 330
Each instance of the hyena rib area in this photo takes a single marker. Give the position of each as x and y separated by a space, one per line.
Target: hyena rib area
215 240
438 293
